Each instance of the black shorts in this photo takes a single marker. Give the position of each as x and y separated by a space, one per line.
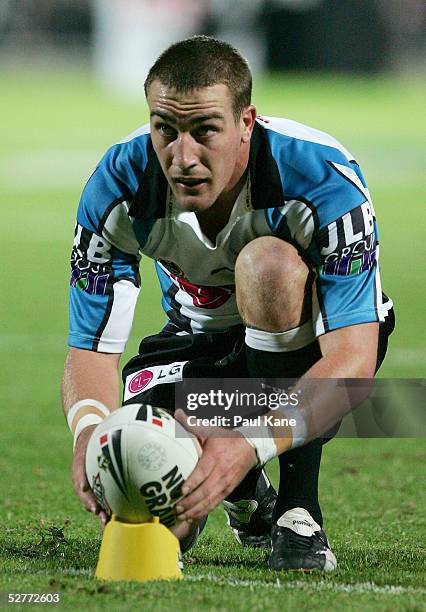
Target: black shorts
151 374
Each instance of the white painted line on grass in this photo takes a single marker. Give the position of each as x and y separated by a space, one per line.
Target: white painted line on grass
357 587
307 585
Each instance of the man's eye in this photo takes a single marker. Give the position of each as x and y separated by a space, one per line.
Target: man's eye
166 130
206 130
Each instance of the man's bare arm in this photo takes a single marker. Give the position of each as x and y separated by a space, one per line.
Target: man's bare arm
88 375
348 352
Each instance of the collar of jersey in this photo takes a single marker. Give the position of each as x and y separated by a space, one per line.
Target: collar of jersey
242 206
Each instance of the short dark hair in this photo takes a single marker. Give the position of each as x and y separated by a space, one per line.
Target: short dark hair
203 61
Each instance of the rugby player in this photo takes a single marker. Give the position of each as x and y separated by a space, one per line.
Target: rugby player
265 245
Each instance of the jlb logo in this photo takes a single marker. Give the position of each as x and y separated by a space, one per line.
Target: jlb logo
353 227
140 381
349 244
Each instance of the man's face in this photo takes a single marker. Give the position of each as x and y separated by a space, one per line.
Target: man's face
201 148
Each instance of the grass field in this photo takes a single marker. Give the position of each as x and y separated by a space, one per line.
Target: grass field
55 127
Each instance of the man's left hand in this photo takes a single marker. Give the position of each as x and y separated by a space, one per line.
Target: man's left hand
226 459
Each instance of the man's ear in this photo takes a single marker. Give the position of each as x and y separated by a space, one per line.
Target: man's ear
248 117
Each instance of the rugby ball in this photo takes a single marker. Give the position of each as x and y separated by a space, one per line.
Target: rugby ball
136 461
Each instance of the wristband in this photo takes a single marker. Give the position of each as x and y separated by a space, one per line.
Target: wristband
86 420
264 446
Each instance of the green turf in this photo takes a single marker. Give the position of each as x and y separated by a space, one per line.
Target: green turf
55 127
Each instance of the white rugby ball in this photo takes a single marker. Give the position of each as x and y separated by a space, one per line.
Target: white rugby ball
136 462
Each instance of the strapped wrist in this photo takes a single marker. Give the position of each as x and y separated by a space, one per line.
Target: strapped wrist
79 417
263 444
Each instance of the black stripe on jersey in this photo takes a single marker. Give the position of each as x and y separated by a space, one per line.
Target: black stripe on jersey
284 230
108 211
149 201
135 281
376 306
104 321
281 228
313 210
174 314
266 186
107 455
330 163
304 254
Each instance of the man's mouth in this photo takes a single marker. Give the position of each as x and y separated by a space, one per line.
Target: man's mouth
189 182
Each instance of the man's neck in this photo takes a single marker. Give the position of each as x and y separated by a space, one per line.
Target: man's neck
214 219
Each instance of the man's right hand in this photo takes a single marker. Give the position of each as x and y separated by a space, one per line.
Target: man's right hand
88 374
81 484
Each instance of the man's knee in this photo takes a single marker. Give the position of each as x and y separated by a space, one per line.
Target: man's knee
271 259
272 284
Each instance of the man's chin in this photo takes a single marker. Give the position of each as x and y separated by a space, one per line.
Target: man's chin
194 204
194 199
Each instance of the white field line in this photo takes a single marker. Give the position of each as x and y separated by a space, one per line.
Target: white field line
307 585
357 587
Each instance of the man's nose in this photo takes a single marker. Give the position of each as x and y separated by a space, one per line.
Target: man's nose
184 152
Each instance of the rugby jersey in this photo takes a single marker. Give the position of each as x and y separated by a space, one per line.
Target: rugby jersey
303 187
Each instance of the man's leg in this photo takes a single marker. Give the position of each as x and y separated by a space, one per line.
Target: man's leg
274 299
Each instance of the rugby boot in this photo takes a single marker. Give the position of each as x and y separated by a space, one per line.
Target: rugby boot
251 519
299 543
